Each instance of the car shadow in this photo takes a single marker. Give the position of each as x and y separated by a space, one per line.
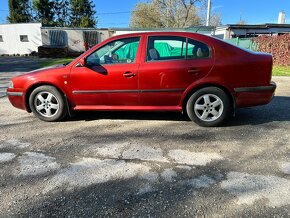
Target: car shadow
128 115
277 110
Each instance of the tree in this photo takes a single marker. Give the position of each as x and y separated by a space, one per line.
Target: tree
62 12
44 10
146 15
82 13
215 17
19 11
165 13
242 22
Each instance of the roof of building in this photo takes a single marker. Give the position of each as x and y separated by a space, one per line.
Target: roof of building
73 28
32 23
254 26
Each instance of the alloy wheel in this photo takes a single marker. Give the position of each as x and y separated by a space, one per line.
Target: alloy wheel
208 107
46 104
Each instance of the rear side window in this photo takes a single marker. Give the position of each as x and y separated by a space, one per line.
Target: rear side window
196 50
166 48
162 48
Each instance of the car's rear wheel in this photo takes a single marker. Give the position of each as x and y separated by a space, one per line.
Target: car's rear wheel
47 103
208 106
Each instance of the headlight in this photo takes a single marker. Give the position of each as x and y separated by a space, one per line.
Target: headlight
11 84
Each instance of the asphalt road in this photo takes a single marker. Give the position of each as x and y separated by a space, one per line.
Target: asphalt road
14 66
20 64
103 164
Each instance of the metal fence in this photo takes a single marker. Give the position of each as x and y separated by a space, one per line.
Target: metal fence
57 37
246 43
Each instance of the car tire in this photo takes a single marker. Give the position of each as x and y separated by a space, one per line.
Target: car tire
208 106
48 104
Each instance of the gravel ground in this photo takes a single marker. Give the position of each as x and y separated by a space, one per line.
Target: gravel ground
120 164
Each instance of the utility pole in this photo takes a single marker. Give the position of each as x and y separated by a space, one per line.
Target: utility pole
208 12
167 17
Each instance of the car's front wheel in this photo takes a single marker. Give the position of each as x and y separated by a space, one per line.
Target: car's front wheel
208 106
47 103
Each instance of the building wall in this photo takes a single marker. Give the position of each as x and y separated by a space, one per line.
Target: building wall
221 33
105 34
11 38
121 32
75 37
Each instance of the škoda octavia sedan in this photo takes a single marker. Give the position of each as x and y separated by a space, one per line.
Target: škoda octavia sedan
157 71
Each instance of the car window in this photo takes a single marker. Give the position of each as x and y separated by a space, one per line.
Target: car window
196 50
116 52
161 48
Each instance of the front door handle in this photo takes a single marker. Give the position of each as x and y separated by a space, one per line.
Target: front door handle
193 70
129 74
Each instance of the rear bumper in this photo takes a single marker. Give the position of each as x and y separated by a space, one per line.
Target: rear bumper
253 96
16 98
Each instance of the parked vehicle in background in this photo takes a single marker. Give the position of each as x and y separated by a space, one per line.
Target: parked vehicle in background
157 71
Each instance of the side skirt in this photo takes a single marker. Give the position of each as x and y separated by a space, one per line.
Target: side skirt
126 108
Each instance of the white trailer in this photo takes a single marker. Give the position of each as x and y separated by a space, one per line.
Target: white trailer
22 38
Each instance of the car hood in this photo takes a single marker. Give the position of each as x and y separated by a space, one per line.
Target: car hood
43 75
45 70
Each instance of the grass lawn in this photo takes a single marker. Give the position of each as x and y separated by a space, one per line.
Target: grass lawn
281 71
55 61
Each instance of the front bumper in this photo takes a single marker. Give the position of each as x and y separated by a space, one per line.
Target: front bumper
253 96
17 98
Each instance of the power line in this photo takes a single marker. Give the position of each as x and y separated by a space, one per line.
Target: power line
116 12
112 23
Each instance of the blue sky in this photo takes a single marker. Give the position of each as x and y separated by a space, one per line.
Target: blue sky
116 13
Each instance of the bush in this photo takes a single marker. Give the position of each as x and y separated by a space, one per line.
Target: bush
278 46
52 52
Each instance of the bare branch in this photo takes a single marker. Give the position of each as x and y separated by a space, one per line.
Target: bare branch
166 13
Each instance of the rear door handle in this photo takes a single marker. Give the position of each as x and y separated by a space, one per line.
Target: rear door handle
193 70
129 74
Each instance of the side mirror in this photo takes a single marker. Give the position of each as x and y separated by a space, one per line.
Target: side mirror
81 62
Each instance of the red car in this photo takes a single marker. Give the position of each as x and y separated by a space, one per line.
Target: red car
157 71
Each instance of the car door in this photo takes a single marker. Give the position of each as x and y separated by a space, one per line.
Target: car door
170 66
110 75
